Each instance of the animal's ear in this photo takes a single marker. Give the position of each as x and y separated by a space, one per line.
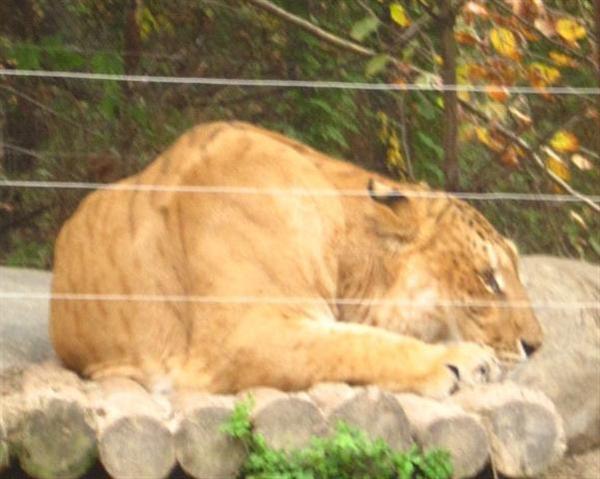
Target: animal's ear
398 220
385 194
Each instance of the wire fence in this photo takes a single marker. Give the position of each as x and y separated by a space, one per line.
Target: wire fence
303 301
301 192
317 84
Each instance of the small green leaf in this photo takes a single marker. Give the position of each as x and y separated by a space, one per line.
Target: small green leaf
27 56
425 109
376 64
109 63
595 245
429 143
363 28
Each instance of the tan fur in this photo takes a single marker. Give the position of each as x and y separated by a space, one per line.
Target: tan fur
277 246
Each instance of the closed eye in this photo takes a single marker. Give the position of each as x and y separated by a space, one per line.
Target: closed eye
490 282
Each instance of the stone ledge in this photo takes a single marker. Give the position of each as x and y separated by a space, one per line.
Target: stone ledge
56 425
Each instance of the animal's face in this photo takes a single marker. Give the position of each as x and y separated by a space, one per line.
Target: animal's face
461 273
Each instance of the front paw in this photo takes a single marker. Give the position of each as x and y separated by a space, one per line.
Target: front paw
461 364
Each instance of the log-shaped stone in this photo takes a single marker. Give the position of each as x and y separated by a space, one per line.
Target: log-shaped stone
286 421
370 409
203 449
447 426
54 437
134 439
525 432
4 452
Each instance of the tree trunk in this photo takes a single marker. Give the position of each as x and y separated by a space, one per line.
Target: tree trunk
131 56
132 37
597 28
448 44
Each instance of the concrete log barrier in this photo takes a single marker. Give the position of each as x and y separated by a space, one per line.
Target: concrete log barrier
525 432
203 450
286 421
4 451
54 436
376 412
327 396
11 411
134 439
448 426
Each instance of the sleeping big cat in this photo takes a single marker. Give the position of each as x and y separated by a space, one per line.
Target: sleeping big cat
224 272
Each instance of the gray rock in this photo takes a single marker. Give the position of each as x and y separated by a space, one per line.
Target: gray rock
578 466
202 448
287 421
445 425
24 322
524 430
567 367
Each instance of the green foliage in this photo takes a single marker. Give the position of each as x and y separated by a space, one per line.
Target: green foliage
365 27
377 64
30 254
346 454
72 126
26 56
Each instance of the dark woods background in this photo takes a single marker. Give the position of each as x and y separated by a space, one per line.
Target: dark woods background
100 131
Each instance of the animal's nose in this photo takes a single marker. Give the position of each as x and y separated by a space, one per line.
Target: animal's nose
529 348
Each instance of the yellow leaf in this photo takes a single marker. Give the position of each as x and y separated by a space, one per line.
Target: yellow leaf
564 141
464 96
505 43
559 168
487 139
482 135
581 162
541 75
399 15
556 165
570 30
561 59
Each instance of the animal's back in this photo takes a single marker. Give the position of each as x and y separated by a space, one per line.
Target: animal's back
146 255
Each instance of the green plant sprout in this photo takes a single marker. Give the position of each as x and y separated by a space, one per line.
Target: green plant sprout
346 454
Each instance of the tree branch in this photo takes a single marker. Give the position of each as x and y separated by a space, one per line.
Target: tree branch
446 21
597 27
335 40
25 151
49 110
309 27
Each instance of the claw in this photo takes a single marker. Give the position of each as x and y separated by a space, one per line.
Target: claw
454 369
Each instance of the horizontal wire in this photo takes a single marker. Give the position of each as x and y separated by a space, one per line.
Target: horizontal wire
291 300
525 90
242 190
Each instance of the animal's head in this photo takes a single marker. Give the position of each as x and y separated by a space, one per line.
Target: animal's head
462 274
